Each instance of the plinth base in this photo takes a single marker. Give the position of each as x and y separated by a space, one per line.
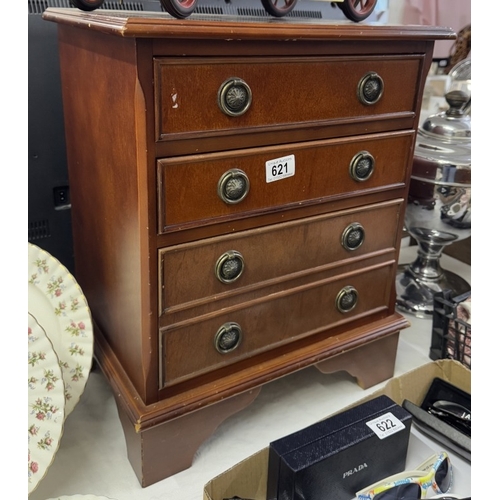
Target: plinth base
162 438
415 295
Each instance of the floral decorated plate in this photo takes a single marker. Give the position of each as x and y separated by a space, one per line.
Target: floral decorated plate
57 302
45 403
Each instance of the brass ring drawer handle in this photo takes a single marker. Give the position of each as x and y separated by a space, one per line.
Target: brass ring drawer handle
362 166
347 299
228 337
235 97
370 88
233 186
353 236
229 266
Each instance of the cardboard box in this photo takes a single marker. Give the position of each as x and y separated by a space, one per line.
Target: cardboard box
338 456
248 478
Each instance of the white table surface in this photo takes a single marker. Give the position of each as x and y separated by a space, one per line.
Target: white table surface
92 457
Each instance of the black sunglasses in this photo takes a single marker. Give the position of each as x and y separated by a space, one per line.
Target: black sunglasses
454 414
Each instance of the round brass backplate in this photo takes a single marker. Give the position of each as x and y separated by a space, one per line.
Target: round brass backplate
229 266
347 299
228 337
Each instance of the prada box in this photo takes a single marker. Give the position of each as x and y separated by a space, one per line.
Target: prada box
249 477
338 456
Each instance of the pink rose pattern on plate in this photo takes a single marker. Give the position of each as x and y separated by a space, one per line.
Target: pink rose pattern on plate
75 340
45 403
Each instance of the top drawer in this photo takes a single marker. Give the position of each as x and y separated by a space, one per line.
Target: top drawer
209 96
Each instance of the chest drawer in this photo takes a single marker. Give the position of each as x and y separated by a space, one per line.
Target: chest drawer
235 333
211 269
239 95
203 188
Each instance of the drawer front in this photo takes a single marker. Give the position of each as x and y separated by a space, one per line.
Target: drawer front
201 189
201 345
210 269
281 93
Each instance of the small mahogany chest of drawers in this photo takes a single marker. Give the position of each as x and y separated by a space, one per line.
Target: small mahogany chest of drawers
238 193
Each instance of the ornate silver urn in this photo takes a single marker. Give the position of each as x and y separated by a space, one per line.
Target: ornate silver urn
439 205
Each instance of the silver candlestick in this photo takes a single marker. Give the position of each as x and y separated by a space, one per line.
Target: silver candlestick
439 206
